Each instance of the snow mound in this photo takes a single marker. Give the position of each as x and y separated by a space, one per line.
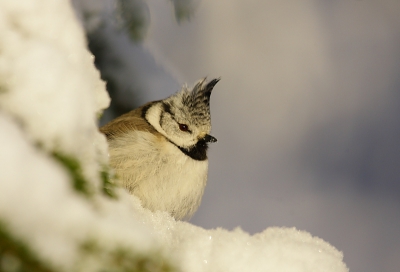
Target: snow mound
274 249
48 81
58 211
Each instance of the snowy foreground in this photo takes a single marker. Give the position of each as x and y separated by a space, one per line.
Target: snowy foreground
58 211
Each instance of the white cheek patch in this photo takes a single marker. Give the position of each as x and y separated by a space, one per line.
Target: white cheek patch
153 117
184 139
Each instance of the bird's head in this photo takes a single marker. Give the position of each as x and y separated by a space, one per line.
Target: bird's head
184 118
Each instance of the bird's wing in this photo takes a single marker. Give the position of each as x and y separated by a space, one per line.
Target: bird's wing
128 122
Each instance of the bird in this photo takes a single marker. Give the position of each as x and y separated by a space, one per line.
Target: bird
159 151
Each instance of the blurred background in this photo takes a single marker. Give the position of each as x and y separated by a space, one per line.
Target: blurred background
307 113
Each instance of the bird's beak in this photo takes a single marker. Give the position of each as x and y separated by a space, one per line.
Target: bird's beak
210 139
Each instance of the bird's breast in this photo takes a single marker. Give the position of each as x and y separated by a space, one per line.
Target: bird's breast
159 173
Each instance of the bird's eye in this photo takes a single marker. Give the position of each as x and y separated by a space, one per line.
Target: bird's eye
183 127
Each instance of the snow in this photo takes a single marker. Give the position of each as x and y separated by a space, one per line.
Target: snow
275 249
50 97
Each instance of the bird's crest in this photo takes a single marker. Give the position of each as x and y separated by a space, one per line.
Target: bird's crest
198 100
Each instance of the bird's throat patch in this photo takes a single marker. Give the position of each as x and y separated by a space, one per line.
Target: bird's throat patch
198 152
